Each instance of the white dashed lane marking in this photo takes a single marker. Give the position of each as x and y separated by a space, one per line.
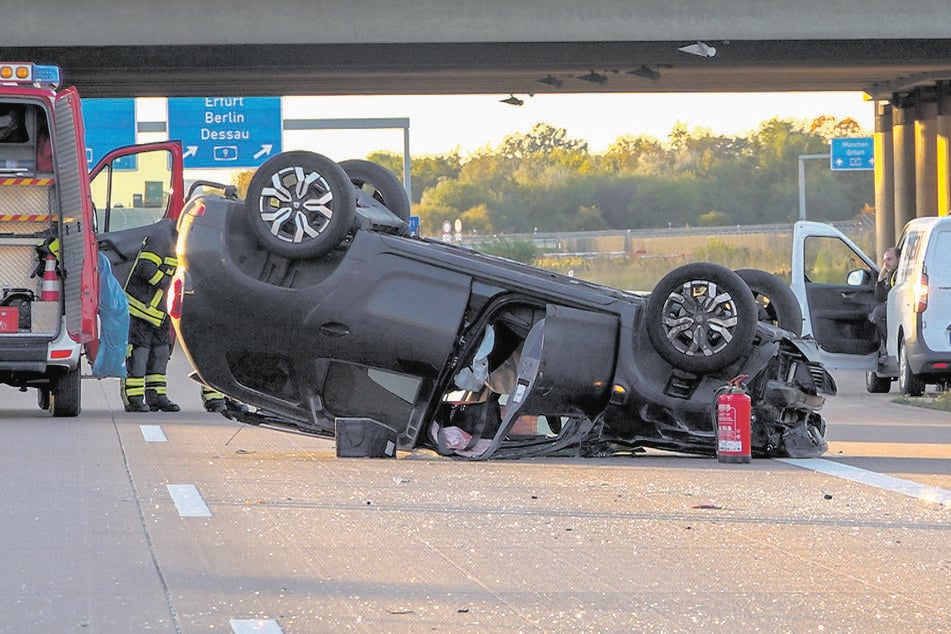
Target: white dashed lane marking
880 480
255 626
188 500
153 433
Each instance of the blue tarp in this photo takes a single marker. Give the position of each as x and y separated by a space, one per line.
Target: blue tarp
113 324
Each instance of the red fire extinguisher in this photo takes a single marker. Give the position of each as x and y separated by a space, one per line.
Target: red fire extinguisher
733 421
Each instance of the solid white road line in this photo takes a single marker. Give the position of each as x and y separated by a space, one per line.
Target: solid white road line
255 626
922 492
188 501
153 433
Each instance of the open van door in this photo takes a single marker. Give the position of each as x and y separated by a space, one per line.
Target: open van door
133 189
834 282
78 246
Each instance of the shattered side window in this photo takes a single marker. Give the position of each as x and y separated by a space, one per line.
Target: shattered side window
828 260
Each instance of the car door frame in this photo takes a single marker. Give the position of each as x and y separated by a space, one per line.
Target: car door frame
838 297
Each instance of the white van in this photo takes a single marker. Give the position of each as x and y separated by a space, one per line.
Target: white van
834 282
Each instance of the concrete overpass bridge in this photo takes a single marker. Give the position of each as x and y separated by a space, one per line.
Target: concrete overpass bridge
898 53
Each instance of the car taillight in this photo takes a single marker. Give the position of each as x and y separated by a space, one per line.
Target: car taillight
193 209
175 297
921 294
196 208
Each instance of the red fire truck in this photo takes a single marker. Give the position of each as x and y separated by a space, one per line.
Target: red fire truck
56 215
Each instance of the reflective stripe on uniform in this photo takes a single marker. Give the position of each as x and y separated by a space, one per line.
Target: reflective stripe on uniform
134 386
149 312
156 383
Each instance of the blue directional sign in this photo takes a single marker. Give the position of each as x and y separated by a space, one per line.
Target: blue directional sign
226 131
109 123
856 153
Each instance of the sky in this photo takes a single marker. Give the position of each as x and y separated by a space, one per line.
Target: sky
443 123
440 124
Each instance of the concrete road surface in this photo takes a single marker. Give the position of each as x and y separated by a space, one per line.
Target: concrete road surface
188 522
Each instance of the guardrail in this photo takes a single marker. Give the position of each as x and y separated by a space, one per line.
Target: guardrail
614 243
547 239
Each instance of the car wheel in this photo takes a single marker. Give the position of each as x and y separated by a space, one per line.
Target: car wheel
301 204
65 394
777 303
875 384
908 382
701 317
380 184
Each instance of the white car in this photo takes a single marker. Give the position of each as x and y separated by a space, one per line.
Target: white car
834 282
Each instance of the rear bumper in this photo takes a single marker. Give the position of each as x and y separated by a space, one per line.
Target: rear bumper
927 362
36 355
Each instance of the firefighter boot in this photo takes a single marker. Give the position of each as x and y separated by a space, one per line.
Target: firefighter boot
213 400
132 390
136 404
162 404
157 396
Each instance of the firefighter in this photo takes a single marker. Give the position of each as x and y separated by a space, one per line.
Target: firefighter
145 386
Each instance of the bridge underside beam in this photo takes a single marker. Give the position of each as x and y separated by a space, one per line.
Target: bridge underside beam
879 67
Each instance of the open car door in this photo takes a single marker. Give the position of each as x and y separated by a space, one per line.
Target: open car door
834 282
133 189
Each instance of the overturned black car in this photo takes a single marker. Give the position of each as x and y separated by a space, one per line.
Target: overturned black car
313 308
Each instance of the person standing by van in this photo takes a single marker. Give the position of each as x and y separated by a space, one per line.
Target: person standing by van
886 278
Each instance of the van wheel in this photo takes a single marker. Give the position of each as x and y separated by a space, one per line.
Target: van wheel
701 317
875 384
65 394
908 382
776 302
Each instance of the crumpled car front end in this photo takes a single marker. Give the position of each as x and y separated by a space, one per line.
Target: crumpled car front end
786 384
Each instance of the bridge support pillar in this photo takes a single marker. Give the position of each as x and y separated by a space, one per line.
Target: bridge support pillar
903 150
926 168
943 146
884 178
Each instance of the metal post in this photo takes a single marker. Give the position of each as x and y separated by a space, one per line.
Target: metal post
407 163
802 180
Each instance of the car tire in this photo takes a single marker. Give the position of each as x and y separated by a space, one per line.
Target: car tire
701 317
909 383
875 384
65 394
300 204
776 301
380 184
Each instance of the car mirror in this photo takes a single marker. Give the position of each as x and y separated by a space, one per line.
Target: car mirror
859 277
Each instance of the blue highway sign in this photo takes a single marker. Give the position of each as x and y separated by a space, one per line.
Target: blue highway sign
226 131
856 153
109 123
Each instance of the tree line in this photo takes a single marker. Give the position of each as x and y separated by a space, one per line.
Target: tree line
543 180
